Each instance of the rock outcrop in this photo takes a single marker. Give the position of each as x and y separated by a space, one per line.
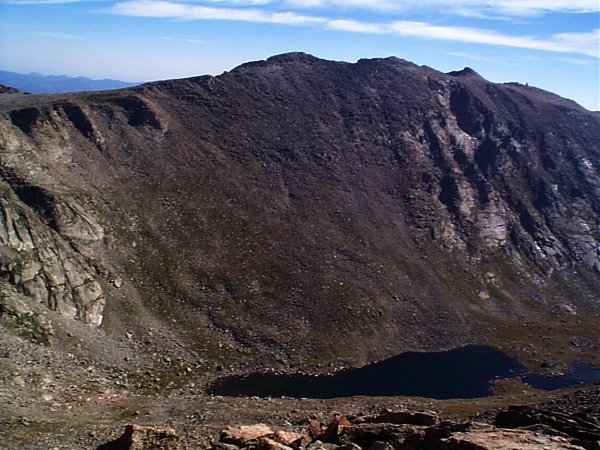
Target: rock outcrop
403 430
584 431
41 268
8 90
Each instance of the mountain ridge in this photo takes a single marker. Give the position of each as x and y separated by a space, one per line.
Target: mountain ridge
301 211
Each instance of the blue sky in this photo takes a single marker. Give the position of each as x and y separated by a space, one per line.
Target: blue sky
551 44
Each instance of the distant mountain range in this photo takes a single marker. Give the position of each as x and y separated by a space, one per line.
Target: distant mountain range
54 84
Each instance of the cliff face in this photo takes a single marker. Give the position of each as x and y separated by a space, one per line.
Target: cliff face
308 210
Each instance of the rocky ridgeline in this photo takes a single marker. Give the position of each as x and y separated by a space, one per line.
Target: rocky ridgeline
515 428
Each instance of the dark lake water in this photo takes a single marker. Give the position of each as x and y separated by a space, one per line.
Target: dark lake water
579 373
466 372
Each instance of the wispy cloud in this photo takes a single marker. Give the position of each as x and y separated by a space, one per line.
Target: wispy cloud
165 9
39 31
579 62
529 7
54 35
585 43
468 7
189 40
40 2
467 55
355 26
376 5
474 8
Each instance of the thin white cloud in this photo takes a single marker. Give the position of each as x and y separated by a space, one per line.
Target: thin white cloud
466 7
241 2
165 9
230 2
578 61
475 8
525 7
54 35
588 42
585 43
377 5
39 31
189 40
354 26
467 55
41 2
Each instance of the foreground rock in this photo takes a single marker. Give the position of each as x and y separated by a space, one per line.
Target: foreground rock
143 438
486 437
245 435
582 430
403 430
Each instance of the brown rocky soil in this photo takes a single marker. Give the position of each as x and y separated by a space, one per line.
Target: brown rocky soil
57 399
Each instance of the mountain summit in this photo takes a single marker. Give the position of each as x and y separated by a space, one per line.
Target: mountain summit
298 211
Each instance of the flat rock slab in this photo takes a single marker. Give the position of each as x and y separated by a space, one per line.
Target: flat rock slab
503 439
244 435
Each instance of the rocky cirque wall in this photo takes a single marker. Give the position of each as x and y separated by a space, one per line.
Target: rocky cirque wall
39 232
308 210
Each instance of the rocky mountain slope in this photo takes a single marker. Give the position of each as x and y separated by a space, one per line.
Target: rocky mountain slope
298 212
